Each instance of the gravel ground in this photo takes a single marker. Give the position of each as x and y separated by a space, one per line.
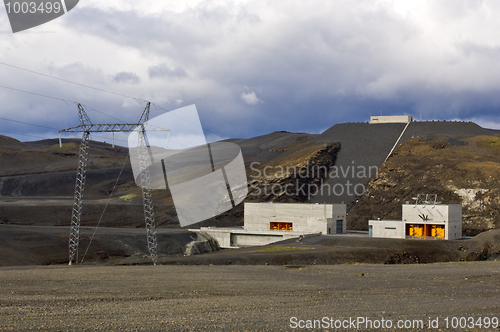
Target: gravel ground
242 298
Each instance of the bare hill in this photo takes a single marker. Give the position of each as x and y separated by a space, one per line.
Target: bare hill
460 171
42 170
458 161
32 172
365 145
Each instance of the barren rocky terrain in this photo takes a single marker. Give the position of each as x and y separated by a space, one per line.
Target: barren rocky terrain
245 298
460 171
456 160
48 245
250 289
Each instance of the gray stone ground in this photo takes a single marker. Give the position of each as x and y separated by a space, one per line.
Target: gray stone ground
242 298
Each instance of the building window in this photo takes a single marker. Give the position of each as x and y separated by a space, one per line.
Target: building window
281 226
425 231
437 231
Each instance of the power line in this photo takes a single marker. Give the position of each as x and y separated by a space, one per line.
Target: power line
60 99
105 207
71 82
29 124
86 107
90 87
35 125
9 132
93 109
38 94
67 81
159 107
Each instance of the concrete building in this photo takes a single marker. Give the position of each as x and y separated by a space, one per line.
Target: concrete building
304 218
391 119
421 221
266 223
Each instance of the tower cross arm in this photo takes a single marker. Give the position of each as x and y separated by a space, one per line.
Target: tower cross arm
113 127
101 128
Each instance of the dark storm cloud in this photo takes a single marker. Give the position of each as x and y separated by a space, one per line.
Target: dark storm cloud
257 66
125 77
163 71
267 69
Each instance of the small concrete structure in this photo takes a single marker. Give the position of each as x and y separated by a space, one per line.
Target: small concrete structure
393 229
266 223
303 218
391 119
421 221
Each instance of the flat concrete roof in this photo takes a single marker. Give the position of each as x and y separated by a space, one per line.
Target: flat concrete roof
238 230
385 220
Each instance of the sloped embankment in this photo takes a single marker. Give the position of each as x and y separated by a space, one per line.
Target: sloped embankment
25 245
460 171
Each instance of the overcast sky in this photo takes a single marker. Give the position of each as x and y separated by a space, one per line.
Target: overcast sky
253 67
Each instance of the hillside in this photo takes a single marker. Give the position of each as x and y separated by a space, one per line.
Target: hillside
460 171
456 160
38 179
460 162
365 145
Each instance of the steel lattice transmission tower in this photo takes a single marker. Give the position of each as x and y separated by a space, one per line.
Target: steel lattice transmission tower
86 126
83 158
145 180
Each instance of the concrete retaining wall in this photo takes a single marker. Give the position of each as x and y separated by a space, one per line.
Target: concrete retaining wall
391 119
393 229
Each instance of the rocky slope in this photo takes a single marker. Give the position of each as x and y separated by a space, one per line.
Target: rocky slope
460 171
459 161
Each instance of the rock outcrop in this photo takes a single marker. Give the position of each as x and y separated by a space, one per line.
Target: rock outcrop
202 244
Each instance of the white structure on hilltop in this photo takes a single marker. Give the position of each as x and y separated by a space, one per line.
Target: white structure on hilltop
421 221
391 119
266 223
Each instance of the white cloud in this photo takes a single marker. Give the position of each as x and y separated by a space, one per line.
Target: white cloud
250 98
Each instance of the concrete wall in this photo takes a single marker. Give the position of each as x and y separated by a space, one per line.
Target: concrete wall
235 237
449 215
292 210
436 213
391 119
301 225
394 229
339 212
454 229
246 240
306 218
223 236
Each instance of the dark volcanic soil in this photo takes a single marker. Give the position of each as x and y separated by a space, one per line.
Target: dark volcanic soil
26 245
244 298
441 158
44 245
460 171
